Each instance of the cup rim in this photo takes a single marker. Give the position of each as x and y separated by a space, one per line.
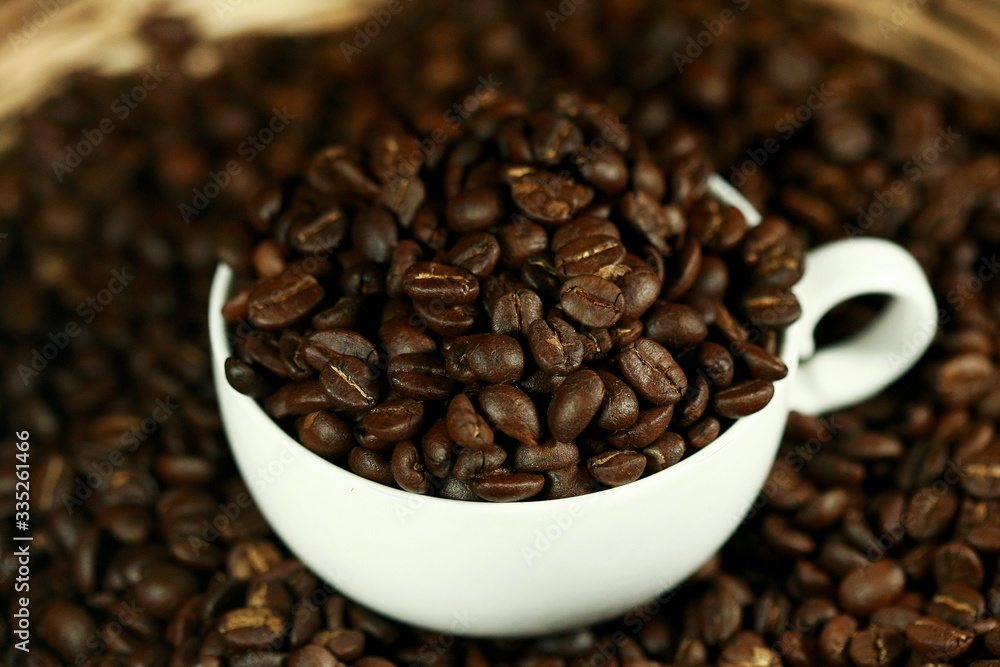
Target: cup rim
221 350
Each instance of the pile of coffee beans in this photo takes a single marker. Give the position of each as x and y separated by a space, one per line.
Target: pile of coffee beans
877 537
529 306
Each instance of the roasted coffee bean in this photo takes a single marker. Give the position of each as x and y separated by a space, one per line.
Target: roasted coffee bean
743 398
617 467
515 311
341 315
664 452
554 138
695 402
574 405
834 639
981 476
519 241
445 320
675 326
581 229
449 285
938 640
770 306
244 379
620 407
703 432
465 426
502 486
871 587
476 253
374 234
647 217
370 465
550 455
491 358
420 376
568 482
325 434
350 383
546 197
399 336
956 563
475 462
875 647
555 345
250 629
592 301
649 426
301 398
717 364
389 422
652 372
510 410
760 364
597 344
406 254
325 346
283 300
437 447
474 210
588 255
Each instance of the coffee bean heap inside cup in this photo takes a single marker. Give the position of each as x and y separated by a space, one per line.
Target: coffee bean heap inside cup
529 306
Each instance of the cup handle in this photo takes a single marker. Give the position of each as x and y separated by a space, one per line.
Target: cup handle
862 365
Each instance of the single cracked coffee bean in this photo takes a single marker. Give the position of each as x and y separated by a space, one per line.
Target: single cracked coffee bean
871 587
548 198
325 434
514 312
391 421
937 639
743 398
550 455
617 468
465 426
664 452
574 405
449 285
592 301
652 371
555 345
620 407
512 411
770 306
502 486
491 358
675 326
420 376
283 300
476 253
588 255
350 383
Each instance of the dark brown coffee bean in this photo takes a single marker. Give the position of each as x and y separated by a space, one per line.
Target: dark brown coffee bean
301 398
437 447
555 345
316 231
868 588
502 486
588 255
875 647
834 639
370 465
392 421
743 398
554 138
781 536
519 241
399 336
278 302
597 344
66 628
251 629
624 334
646 216
475 462
515 311
539 273
420 376
341 315
431 281
325 434
931 512
606 171
474 210
955 563
760 364
312 656
695 402
407 253
575 404
582 228
981 476
617 467
374 233
476 253
703 432
323 347
511 410
963 378
650 425
350 383
546 197
957 604
938 640
592 301
640 288
550 455
652 372
447 321
244 379
668 450
675 326
620 407
770 306
465 426
717 364
491 358
568 482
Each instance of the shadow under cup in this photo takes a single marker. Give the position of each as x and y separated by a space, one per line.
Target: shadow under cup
520 569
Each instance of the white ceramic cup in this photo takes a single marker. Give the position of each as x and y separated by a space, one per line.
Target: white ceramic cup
532 568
